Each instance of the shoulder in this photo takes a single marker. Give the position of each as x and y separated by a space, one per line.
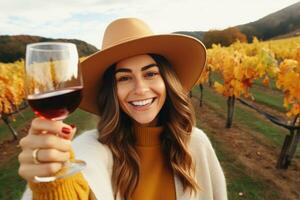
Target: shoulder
86 136
99 163
87 140
198 137
209 173
86 146
201 147
200 143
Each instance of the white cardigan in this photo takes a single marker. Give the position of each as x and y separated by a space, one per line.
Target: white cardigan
98 172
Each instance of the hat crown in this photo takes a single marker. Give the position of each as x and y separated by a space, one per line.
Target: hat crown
124 30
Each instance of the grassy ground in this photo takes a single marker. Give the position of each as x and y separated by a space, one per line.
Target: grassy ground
247 117
241 180
241 183
270 96
11 185
18 123
272 83
79 117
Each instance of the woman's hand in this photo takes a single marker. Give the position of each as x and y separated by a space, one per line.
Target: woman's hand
50 143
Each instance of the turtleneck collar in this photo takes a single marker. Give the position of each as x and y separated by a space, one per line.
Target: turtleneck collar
147 136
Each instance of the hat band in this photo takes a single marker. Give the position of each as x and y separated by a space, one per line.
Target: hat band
123 40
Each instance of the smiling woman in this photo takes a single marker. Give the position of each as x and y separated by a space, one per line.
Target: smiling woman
140 88
146 145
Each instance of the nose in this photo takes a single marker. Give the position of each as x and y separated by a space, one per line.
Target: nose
141 87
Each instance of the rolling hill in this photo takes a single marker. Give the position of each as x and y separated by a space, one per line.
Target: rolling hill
12 47
283 23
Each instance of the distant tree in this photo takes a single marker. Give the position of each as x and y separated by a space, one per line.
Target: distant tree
224 37
12 48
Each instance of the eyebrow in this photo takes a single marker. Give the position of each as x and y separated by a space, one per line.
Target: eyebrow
129 70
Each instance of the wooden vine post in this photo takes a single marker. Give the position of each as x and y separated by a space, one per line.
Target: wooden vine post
291 141
289 146
230 110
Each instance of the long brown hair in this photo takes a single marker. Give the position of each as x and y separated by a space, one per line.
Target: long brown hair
115 128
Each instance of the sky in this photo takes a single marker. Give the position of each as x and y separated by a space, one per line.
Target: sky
87 19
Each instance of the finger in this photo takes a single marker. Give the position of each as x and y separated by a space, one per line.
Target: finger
25 156
43 155
45 141
39 126
69 136
52 155
29 171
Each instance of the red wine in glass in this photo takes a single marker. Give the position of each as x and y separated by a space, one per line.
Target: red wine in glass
55 105
54 85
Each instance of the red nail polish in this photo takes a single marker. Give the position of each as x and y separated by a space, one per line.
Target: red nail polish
66 130
73 126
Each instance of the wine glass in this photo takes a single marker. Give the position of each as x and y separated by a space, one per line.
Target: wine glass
53 85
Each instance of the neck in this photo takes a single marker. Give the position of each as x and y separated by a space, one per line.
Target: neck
147 136
153 123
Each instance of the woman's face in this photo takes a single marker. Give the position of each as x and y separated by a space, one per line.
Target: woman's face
141 90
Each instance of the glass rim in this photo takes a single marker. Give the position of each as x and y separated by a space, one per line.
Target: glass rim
33 46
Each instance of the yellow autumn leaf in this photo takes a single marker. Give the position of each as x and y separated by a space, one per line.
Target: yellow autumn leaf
219 87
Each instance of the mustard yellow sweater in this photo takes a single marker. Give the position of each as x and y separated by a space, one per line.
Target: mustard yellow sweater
156 180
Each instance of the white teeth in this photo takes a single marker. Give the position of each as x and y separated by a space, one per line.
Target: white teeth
141 103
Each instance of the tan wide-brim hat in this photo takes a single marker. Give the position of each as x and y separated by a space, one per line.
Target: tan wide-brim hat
128 37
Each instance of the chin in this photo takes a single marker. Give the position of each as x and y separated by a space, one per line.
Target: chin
144 121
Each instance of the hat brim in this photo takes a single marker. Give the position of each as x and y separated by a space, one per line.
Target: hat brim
186 54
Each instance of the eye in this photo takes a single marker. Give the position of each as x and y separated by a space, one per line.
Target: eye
151 74
123 78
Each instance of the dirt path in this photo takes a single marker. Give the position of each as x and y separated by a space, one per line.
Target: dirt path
256 156
268 89
10 147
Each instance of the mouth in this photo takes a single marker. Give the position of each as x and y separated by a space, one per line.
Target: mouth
142 103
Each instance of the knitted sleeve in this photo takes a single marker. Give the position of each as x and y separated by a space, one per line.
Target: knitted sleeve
74 187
